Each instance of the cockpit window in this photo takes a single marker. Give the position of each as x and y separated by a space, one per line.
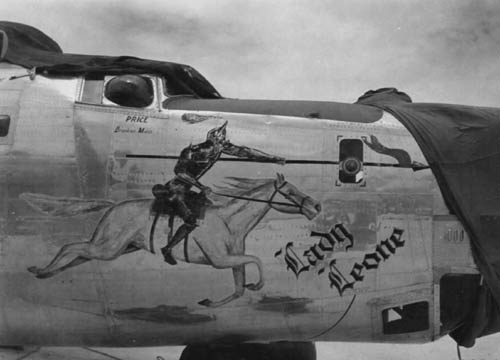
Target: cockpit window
4 125
93 86
171 88
130 90
137 91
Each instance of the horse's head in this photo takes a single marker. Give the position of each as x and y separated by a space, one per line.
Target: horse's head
306 205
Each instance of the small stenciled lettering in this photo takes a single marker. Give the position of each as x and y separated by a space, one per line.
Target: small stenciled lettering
120 129
132 130
143 130
136 119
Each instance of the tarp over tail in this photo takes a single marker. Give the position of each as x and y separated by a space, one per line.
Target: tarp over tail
462 147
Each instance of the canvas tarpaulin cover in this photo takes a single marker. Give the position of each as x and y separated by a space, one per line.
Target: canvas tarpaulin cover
30 48
462 147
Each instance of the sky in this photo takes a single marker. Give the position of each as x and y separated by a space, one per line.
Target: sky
436 51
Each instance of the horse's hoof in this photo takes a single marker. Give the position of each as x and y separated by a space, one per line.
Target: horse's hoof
33 269
205 302
254 287
41 275
167 256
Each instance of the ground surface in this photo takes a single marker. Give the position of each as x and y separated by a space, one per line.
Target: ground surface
487 348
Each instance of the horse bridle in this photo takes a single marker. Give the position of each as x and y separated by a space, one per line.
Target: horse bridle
277 190
270 202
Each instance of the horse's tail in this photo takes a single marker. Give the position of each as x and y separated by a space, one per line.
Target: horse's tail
64 207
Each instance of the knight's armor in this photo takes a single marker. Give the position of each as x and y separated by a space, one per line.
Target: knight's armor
194 161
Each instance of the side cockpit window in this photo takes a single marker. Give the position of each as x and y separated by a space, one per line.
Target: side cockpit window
173 88
92 89
4 125
136 91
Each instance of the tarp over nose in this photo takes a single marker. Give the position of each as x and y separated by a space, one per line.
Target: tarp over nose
462 146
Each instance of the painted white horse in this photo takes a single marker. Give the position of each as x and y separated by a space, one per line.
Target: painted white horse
218 241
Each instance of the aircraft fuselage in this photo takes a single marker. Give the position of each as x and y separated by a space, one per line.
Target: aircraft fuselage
362 252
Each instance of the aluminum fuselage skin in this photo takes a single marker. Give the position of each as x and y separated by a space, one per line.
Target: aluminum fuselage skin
316 288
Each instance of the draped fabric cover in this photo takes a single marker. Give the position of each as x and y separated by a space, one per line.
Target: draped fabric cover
29 47
462 147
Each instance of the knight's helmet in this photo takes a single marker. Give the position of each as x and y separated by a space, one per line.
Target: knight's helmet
217 134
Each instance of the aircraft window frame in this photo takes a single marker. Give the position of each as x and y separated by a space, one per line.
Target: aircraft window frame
413 317
5 122
172 94
6 130
351 152
92 91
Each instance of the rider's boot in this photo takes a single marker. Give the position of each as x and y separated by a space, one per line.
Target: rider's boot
183 231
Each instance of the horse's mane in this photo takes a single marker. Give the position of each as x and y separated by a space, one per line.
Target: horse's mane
237 186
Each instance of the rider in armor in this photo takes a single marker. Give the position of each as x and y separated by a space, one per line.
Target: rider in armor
194 161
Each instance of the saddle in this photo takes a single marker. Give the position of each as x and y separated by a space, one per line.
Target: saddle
196 203
162 207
